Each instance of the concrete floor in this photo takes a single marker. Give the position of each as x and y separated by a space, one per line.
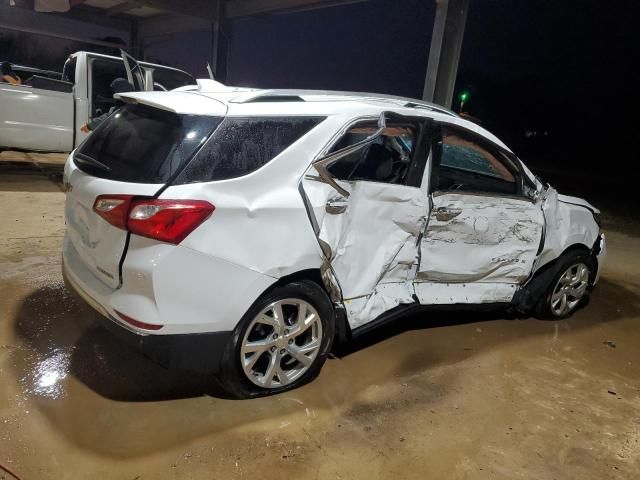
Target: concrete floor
452 396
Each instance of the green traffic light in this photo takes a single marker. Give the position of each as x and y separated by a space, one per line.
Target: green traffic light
464 96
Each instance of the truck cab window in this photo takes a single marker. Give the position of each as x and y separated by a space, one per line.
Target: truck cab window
103 72
69 70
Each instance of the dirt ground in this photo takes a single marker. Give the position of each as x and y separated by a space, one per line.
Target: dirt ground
442 396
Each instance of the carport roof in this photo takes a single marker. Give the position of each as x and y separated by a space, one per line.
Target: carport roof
203 9
145 17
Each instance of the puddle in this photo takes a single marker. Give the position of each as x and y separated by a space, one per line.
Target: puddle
454 394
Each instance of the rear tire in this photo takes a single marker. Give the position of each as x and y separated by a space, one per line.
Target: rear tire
281 342
569 288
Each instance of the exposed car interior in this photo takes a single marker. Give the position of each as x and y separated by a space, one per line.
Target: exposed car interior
103 72
386 160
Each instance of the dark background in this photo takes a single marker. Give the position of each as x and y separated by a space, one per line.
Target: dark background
556 80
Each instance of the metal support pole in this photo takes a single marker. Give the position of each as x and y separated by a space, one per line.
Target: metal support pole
136 42
215 39
435 50
453 36
444 55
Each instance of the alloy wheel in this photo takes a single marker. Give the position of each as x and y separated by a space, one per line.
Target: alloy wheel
281 343
569 289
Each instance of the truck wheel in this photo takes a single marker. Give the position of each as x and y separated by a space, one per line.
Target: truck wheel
570 287
281 342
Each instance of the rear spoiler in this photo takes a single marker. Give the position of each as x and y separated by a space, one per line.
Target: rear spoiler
184 103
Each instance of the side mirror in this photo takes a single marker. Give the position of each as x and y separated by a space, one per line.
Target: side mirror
322 163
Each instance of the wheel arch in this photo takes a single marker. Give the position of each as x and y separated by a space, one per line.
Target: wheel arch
343 330
588 250
527 296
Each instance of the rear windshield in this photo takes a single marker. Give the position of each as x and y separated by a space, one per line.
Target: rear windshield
142 144
242 145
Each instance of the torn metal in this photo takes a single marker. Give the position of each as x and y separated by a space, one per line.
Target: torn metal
480 238
569 221
372 242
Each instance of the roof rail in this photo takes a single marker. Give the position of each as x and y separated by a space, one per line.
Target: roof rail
430 106
275 98
283 95
271 95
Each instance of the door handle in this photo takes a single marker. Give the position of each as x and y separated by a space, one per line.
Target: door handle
336 206
444 214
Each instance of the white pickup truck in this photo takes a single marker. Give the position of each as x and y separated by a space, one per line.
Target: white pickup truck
46 114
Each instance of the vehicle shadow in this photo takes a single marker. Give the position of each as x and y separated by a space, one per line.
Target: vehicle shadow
114 401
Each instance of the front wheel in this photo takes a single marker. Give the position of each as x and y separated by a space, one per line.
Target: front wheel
281 342
570 287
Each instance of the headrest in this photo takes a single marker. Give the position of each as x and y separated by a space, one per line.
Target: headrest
382 159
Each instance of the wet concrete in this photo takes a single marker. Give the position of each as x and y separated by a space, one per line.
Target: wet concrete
440 395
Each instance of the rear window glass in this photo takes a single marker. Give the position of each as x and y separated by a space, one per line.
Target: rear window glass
242 145
143 144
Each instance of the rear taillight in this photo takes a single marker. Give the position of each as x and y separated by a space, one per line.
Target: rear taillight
165 220
114 209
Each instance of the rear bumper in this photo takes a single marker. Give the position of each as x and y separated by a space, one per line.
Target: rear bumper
195 298
196 352
175 288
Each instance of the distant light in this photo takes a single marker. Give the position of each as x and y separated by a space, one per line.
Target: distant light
464 96
191 135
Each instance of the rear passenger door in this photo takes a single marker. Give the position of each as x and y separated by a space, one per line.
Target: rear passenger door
484 230
370 213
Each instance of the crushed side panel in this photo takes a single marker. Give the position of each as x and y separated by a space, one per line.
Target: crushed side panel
567 225
373 247
475 238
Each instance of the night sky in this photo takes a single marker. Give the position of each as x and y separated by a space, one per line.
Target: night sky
567 68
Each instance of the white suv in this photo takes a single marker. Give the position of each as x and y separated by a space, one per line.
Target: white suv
240 232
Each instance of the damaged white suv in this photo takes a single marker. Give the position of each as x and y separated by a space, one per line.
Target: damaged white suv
241 232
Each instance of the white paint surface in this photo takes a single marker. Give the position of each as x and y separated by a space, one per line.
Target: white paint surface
434 293
35 119
478 238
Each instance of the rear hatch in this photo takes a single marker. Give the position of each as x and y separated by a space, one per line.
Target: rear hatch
135 152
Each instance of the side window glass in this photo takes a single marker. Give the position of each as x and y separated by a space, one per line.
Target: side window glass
386 160
467 165
463 154
242 145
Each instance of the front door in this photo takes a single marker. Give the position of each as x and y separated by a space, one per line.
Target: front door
370 219
483 232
